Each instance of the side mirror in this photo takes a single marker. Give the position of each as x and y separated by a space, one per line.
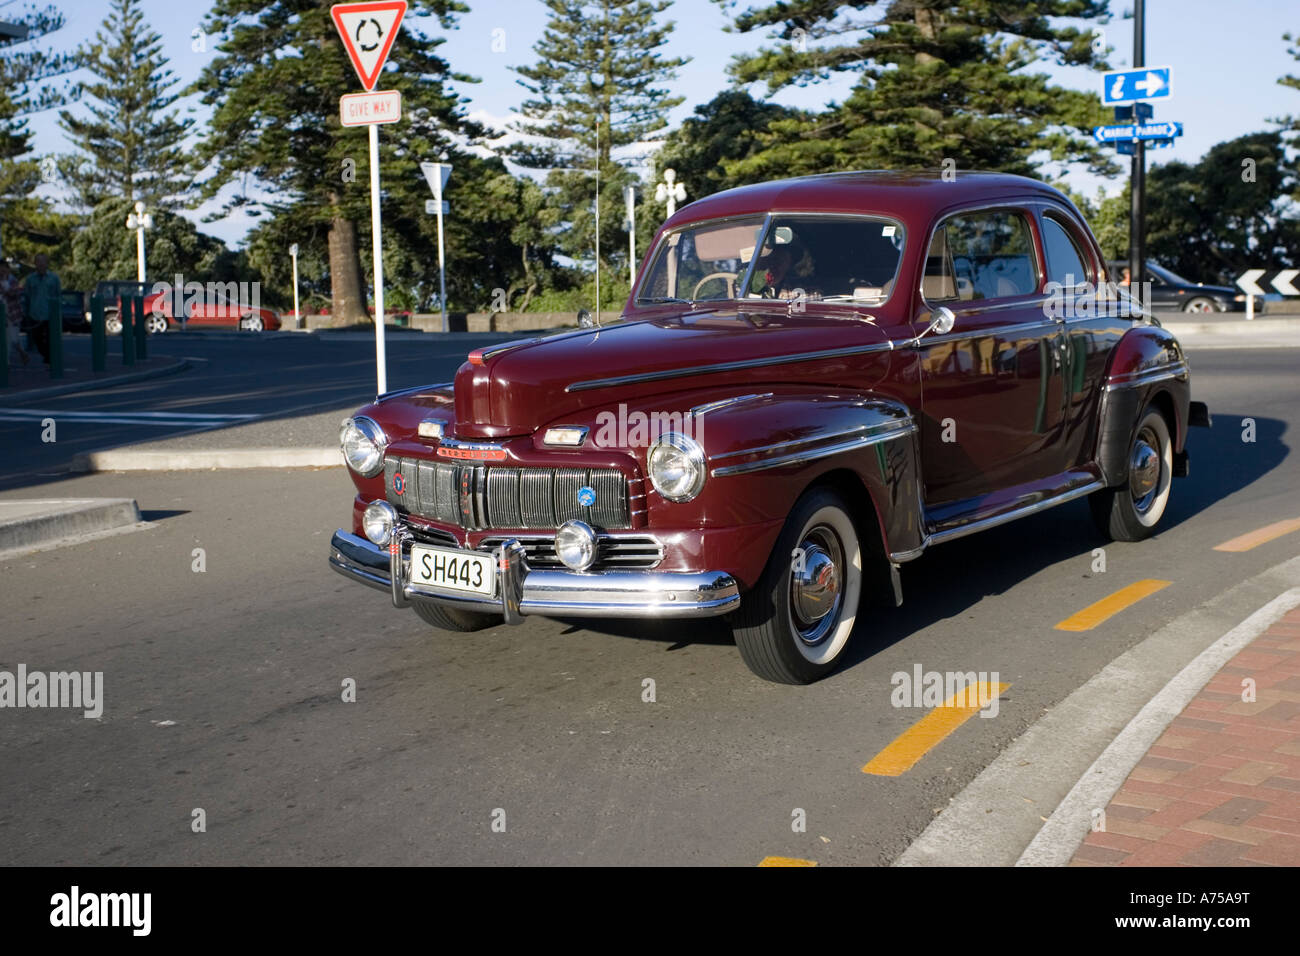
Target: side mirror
942 321
585 321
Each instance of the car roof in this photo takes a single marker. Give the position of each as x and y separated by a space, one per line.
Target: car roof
902 194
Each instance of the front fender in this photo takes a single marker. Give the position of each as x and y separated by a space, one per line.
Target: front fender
1147 365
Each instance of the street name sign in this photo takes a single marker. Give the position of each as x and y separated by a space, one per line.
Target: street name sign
1137 131
365 109
1145 83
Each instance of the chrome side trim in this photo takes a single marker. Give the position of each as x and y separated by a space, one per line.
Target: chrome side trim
728 366
1021 328
707 407
863 436
1024 511
1147 376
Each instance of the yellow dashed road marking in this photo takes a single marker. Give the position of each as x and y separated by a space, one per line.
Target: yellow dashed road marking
785 861
1263 535
1108 607
913 744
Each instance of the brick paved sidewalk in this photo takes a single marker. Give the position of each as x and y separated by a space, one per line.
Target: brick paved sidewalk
1221 787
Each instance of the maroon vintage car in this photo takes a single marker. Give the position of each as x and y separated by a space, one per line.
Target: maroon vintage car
813 382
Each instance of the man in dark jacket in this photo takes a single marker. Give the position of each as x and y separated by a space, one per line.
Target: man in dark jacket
40 288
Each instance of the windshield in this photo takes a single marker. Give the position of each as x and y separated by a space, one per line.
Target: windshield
1171 277
818 258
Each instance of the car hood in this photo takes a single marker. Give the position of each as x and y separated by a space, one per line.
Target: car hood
515 388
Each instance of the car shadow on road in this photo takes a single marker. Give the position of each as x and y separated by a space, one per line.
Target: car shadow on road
950 579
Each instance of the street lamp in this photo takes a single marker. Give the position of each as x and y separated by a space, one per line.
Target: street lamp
670 191
629 198
297 316
139 221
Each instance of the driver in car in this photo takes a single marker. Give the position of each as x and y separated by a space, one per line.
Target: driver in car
783 272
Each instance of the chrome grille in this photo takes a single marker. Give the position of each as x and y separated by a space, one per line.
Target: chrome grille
632 551
479 496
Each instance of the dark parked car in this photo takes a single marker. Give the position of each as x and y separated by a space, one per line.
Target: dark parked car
113 291
75 309
1171 291
814 382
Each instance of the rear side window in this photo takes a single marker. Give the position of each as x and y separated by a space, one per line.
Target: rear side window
980 255
1065 262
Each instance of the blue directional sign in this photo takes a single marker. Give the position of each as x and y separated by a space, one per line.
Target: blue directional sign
1126 86
1129 132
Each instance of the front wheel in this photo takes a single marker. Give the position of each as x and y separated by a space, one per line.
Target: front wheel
1131 511
794 624
1199 304
113 323
156 324
453 619
251 323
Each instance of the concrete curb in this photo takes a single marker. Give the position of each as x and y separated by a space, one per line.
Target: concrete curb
64 519
178 366
1002 811
1070 823
127 459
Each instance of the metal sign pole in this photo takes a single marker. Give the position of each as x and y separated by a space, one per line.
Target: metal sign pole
297 315
1136 236
442 264
376 246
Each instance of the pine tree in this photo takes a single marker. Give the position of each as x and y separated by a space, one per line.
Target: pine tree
598 87
274 87
938 80
26 69
129 144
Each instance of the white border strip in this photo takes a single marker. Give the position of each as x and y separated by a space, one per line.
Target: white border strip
1071 822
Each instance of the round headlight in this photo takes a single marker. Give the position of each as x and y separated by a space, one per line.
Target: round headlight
363 443
676 466
575 545
378 521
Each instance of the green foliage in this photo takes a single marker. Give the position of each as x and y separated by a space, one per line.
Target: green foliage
939 80
105 249
128 142
598 85
1210 220
27 224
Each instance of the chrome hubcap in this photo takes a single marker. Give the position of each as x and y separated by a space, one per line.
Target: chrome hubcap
815 585
1144 470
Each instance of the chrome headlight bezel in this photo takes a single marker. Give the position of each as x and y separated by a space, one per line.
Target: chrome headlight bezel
354 436
676 447
383 517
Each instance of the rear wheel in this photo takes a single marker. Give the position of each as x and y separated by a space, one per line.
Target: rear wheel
1131 511
113 323
252 323
1199 304
794 624
453 619
156 324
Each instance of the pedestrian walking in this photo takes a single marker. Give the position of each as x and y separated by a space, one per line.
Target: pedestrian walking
11 294
41 288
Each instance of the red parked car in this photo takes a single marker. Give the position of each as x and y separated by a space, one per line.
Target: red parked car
814 381
212 309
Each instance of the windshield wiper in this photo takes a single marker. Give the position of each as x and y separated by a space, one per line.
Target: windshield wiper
661 299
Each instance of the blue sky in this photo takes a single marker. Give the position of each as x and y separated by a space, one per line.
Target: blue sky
1226 62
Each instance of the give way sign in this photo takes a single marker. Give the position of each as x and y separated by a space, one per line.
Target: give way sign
368 31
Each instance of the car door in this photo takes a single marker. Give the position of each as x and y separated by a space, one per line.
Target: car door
991 388
1092 323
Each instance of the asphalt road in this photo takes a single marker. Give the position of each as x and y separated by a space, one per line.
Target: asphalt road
234 379
224 688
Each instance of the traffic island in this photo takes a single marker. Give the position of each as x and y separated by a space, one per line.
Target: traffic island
36 524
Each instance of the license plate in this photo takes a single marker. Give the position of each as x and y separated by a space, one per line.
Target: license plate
453 569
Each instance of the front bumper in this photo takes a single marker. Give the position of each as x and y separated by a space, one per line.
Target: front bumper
522 590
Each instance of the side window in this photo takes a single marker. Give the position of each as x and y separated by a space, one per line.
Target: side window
1065 263
981 255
